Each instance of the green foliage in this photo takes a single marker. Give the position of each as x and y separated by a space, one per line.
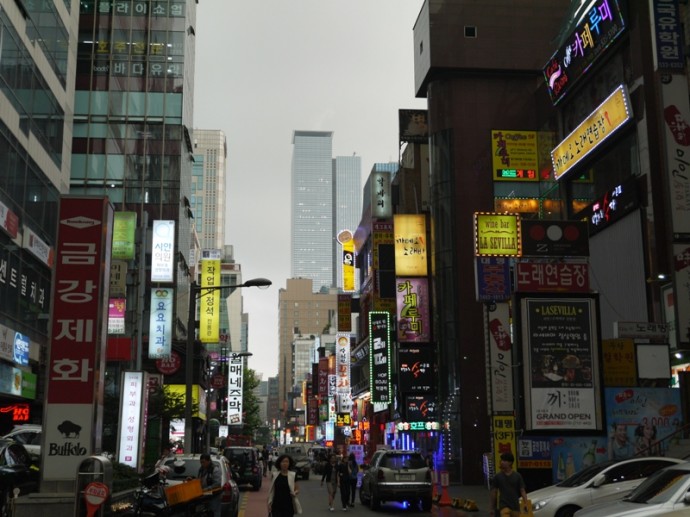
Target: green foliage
124 477
250 402
168 405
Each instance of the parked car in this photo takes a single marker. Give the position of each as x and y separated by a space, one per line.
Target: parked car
396 475
599 483
663 494
17 471
183 466
246 464
299 452
29 435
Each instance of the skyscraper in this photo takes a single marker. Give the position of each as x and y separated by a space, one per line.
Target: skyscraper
208 186
312 208
347 206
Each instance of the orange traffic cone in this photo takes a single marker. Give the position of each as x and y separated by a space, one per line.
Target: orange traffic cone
445 498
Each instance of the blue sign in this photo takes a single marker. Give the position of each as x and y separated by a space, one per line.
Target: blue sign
669 36
492 279
21 349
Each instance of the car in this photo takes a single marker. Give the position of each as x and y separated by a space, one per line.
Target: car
396 475
29 435
665 493
246 464
17 471
598 483
301 463
184 466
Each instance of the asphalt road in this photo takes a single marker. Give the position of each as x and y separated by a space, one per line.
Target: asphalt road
314 500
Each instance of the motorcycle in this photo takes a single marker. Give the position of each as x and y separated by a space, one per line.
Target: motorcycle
149 498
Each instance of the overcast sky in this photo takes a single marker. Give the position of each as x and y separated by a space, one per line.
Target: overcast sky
265 68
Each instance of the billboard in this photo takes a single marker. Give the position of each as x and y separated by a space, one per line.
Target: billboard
160 322
379 353
514 155
414 322
235 386
410 244
209 299
124 228
163 251
497 235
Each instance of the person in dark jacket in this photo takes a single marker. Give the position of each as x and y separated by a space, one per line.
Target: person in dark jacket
344 482
353 467
330 476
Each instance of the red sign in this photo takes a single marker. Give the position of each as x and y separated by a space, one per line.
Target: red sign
20 412
170 365
552 277
218 381
78 300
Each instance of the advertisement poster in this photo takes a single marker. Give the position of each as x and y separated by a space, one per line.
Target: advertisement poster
630 410
572 454
559 338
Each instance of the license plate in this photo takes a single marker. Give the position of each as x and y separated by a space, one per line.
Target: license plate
404 477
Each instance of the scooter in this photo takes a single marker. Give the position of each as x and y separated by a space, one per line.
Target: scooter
149 498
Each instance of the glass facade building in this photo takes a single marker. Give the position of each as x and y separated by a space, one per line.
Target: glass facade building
208 186
347 194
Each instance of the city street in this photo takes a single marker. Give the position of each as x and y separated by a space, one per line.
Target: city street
314 499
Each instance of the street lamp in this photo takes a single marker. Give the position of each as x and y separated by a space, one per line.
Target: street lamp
195 292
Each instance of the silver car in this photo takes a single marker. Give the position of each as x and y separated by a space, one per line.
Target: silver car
664 494
600 483
396 475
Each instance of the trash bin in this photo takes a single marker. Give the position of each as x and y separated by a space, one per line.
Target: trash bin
93 486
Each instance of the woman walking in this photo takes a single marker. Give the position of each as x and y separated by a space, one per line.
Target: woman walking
330 476
284 489
353 467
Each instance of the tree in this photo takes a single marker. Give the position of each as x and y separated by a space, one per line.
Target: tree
250 403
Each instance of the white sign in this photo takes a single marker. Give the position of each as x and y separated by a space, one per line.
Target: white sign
640 330
163 251
160 322
235 384
132 429
37 247
501 350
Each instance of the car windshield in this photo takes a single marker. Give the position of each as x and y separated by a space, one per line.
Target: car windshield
189 469
403 461
659 487
585 475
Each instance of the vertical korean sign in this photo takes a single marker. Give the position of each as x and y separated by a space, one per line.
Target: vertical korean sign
235 390
160 322
163 251
72 418
342 373
132 431
209 302
413 310
379 357
561 367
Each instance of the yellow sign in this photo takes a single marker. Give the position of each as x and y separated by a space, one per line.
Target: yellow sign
610 116
504 437
348 264
619 362
181 391
209 301
410 245
497 235
514 155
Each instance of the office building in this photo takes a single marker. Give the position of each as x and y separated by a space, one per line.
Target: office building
347 206
209 187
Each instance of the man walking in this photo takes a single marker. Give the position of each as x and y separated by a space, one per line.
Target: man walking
506 489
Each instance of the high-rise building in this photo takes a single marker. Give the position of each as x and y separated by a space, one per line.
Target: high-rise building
37 65
312 208
208 186
302 313
347 206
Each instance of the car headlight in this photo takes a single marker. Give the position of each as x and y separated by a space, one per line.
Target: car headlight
540 504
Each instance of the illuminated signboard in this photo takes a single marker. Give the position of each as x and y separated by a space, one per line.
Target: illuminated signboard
116 315
514 155
379 364
235 388
160 323
132 419
497 235
414 323
124 227
162 251
421 408
612 206
600 26
416 369
609 117
410 245
209 301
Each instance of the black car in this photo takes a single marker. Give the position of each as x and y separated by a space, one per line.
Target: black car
17 470
246 464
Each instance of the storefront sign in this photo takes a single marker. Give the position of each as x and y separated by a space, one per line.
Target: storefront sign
379 354
492 279
501 357
381 199
497 235
417 369
601 25
410 245
413 126
514 155
668 27
9 221
209 299
421 408
125 225
535 277
414 323
235 387
609 117
615 204
544 238
618 358
681 281
37 247
560 363
163 251
160 322
132 421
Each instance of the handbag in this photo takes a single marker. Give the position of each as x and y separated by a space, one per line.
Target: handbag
296 505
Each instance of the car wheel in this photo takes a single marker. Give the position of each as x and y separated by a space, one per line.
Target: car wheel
567 511
362 498
375 502
426 504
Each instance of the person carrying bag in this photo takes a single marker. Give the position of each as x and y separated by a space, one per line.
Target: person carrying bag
282 496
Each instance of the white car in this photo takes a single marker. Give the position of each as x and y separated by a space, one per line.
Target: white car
664 494
600 483
29 435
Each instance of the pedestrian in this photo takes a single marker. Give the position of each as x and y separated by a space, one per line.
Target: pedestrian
282 496
506 489
209 475
344 482
353 467
330 476
264 460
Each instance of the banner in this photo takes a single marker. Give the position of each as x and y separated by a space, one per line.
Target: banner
160 322
235 387
209 299
124 230
379 354
163 251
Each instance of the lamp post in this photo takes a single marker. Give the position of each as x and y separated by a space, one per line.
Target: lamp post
195 291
